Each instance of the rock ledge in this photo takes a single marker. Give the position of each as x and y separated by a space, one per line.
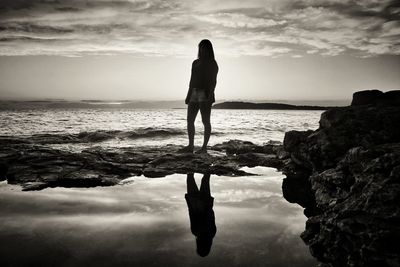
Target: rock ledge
346 175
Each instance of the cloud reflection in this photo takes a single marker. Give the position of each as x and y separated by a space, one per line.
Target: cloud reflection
147 221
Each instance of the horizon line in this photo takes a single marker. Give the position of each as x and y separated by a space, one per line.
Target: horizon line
158 100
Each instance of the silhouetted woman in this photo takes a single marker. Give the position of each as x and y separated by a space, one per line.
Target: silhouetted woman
202 219
200 95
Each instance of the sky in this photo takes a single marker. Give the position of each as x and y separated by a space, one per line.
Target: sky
143 50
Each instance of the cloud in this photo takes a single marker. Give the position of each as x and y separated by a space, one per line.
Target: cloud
237 20
173 28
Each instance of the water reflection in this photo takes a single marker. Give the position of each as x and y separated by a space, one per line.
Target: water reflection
145 222
202 219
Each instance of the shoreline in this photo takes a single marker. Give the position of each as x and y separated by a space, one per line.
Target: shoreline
37 166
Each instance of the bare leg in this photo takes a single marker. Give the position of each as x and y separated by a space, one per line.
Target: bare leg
193 109
191 184
205 110
205 184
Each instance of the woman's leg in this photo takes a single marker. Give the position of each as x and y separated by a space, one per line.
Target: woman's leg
205 110
191 184
205 185
193 109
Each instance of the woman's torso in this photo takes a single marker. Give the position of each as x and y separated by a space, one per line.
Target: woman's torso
204 73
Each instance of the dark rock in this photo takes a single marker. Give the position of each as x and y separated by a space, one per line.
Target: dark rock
234 147
37 166
392 97
346 174
366 97
153 172
293 139
375 97
299 191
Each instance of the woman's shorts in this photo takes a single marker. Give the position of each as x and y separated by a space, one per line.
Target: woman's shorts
198 95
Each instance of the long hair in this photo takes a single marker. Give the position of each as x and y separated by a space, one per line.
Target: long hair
206 51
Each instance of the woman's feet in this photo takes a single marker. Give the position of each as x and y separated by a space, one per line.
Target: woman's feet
189 149
202 150
186 149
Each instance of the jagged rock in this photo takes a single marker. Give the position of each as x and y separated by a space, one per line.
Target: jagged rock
374 97
346 175
37 166
233 147
366 97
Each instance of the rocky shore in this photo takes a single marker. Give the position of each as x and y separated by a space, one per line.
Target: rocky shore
34 164
346 175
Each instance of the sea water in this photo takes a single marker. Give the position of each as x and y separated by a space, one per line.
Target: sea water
154 127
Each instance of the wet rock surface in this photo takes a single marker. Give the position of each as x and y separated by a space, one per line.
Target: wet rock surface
34 164
346 175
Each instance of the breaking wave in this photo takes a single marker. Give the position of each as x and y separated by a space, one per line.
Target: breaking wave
104 135
149 132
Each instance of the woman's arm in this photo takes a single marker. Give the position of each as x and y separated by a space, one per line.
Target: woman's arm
190 85
188 96
212 83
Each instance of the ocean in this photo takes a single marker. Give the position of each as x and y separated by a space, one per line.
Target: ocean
154 127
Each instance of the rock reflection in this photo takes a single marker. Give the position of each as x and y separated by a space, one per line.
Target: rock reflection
299 191
202 219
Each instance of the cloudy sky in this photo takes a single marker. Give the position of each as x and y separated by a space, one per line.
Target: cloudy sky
266 49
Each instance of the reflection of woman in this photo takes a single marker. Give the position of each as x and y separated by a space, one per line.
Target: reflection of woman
200 95
202 220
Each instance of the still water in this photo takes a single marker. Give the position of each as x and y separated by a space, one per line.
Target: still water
145 222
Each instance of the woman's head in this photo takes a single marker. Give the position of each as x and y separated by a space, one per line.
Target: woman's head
204 244
206 50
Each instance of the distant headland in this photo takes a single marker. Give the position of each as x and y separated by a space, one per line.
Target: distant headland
279 106
174 104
